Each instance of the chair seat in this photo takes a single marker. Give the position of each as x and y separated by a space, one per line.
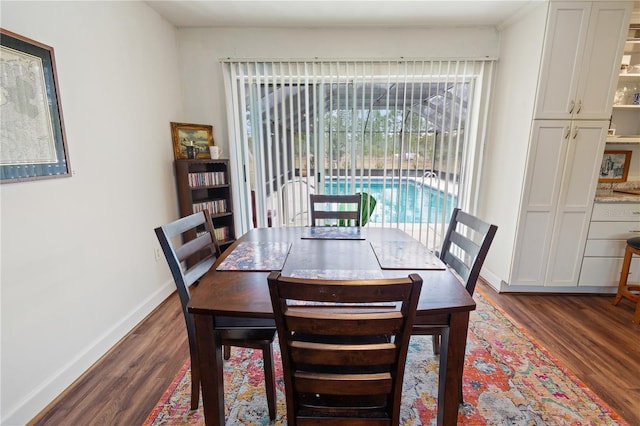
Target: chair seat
634 242
245 337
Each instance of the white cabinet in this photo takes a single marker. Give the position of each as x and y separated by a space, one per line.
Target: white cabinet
611 225
562 172
566 104
581 58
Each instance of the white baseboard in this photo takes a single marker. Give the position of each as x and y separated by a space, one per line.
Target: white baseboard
492 279
557 290
503 287
49 389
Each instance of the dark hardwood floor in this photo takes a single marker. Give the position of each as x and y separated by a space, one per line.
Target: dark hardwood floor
592 338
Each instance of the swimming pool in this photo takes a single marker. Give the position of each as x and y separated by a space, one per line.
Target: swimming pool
399 200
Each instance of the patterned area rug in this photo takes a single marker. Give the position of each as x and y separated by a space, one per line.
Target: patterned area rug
508 379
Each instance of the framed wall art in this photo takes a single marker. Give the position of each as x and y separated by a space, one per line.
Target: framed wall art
191 140
615 166
32 138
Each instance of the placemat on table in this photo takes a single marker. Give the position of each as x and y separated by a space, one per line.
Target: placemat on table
332 233
406 255
256 256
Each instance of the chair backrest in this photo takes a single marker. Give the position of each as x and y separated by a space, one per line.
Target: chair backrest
344 346
190 247
466 245
335 209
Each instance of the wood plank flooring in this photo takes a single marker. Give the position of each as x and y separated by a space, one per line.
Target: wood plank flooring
592 338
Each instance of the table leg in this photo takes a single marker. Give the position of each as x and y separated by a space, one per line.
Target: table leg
452 350
211 376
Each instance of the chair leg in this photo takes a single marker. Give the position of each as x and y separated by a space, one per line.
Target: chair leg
269 379
624 275
436 343
636 316
195 384
227 352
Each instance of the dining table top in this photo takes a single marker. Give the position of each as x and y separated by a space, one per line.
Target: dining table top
242 291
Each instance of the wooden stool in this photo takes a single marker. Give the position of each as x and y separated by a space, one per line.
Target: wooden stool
626 289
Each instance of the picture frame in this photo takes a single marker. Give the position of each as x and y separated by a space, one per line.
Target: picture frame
33 142
185 135
615 166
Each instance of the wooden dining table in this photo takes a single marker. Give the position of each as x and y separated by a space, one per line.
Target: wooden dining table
236 286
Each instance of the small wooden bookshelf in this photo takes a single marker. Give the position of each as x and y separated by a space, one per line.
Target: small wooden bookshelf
206 184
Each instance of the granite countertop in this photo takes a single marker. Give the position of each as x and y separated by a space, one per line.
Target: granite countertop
606 193
616 197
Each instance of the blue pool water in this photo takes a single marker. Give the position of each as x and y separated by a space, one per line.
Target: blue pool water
403 201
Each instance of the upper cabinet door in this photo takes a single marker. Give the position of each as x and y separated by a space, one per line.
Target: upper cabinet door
581 59
597 84
561 59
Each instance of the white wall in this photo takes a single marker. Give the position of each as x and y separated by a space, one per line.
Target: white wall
508 136
78 267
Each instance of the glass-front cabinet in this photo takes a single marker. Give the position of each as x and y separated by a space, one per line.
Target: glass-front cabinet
625 120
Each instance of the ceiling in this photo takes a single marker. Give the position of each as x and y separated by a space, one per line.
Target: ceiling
347 13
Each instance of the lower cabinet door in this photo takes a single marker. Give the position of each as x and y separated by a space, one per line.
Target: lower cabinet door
605 271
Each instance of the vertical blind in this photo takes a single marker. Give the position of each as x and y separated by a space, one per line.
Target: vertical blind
408 132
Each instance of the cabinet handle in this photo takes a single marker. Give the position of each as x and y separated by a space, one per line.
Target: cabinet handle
575 132
579 107
571 106
567 133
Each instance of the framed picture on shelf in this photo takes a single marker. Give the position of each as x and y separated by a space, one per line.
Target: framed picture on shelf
33 138
191 140
615 166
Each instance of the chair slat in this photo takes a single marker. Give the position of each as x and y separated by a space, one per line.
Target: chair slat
198 270
197 244
467 245
183 224
341 324
344 384
330 354
473 222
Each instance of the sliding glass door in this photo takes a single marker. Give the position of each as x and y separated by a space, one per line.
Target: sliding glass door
406 132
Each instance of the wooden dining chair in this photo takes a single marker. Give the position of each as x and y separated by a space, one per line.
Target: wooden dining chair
188 262
344 347
335 209
464 249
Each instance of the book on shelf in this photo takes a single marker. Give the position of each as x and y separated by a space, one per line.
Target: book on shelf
214 206
207 179
221 234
